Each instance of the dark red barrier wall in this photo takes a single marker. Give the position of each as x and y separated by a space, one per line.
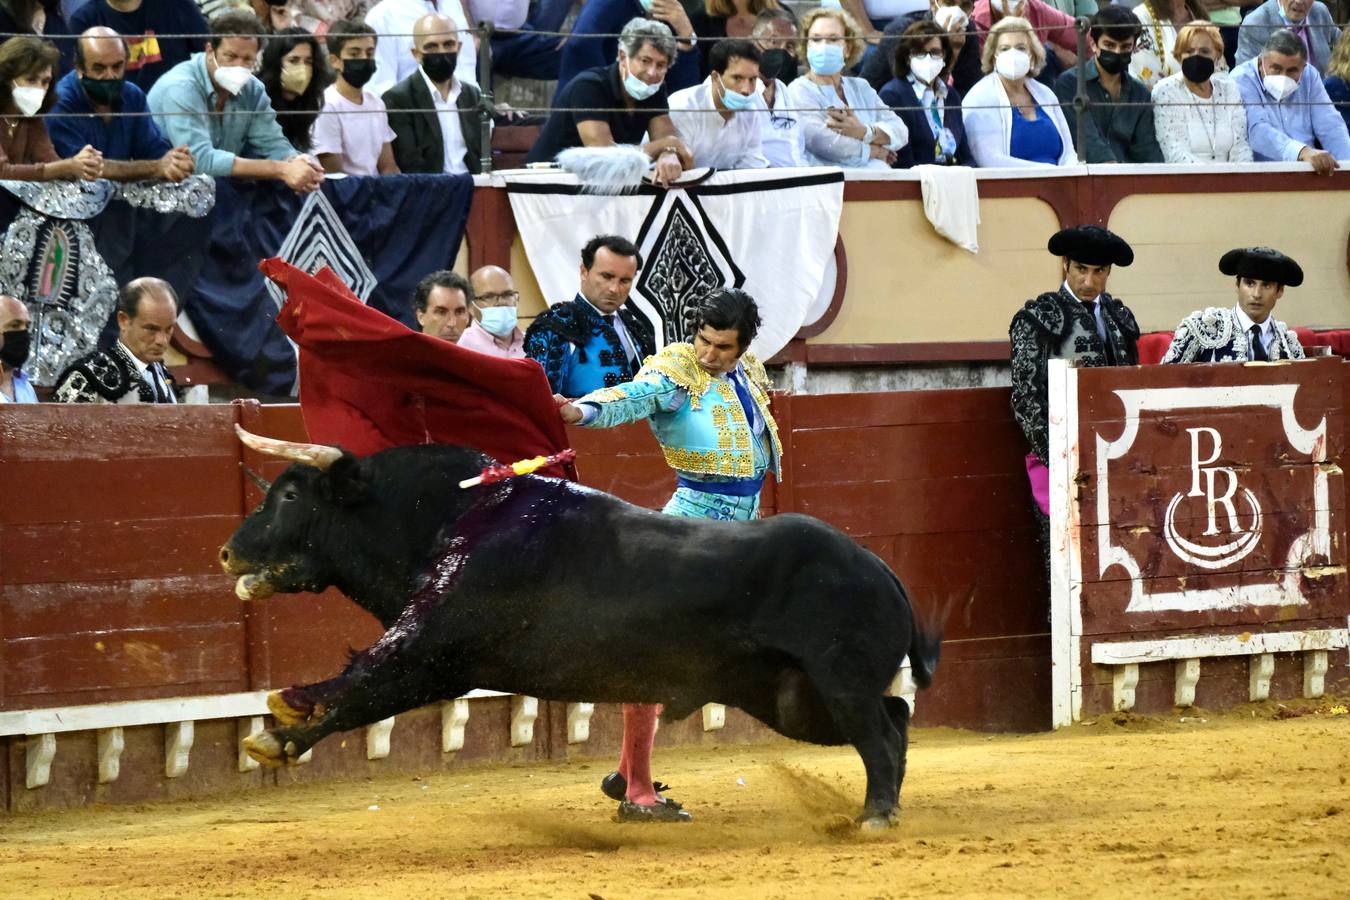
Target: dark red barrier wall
111 519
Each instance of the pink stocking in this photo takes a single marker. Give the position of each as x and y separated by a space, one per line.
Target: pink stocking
639 733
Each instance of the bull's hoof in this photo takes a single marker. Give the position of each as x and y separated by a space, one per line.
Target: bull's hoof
878 821
266 748
283 712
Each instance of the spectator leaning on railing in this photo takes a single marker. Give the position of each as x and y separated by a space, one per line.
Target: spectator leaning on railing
588 46
295 72
620 104
1118 127
719 120
1011 119
1309 20
1288 112
1199 117
96 108
919 94
141 23
213 104
843 119
352 133
26 153
780 132
1337 80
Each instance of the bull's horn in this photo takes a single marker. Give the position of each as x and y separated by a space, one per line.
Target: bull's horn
319 456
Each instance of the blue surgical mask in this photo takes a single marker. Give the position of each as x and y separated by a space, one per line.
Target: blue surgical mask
639 89
646 5
733 101
825 59
499 320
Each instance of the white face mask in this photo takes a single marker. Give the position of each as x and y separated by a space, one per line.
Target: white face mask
950 18
1013 63
925 68
28 99
1279 86
232 79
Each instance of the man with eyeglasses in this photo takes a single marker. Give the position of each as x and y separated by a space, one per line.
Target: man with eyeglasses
494 330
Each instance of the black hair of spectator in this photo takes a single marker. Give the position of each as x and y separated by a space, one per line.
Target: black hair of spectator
339 33
129 297
1117 23
24 56
1286 43
726 308
444 278
724 51
79 51
614 244
22 12
912 40
296 117
240 23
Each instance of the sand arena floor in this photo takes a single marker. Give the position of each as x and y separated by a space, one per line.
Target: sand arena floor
1239 805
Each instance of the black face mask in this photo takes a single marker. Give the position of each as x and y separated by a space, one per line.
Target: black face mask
1113 63
102 91
438 66
357 72
14 351
777 63
1197 69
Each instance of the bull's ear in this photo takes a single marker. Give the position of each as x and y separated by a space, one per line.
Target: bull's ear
345 480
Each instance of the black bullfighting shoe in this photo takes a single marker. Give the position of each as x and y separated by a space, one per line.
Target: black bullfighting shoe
615 787
665 811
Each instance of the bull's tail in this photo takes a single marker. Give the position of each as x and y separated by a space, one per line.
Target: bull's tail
925 644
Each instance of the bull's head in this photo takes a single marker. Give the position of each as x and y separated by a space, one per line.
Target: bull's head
278 546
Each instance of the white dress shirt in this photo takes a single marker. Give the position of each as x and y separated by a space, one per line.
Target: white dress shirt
1245 322
393 20
722 143
780 133
452 137
150 375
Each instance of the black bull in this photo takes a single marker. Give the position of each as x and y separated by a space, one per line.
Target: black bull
545 588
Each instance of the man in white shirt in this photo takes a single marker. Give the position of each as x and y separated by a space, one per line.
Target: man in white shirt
718 120
434 115
393 21
780 132
1246 331
132 370
352 133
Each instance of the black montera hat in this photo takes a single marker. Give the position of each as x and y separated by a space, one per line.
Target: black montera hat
1263 264
1091 245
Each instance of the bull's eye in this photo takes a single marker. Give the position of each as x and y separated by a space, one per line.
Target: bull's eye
290 494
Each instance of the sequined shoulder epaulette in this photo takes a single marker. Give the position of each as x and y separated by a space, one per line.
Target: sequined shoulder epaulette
678 364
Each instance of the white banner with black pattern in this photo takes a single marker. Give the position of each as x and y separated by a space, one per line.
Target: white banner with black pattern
770 232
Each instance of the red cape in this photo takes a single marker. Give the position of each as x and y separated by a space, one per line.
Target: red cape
368 382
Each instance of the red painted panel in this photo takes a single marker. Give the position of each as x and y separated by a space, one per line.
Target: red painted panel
128 488
906 452
94 550
901 408
73 607
310 637
53 432
975 504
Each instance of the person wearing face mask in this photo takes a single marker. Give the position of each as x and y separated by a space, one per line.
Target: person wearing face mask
295 72
921 97
1118 127
780 131
589 46
1246 331
953 16
26 152
433 114
1198 117
719 120
494 329
15 338
844 121
1056 30
394 21
133 147
350 134
1012 120
160 34
1309 20
1288 112
215 106
621 104
131 370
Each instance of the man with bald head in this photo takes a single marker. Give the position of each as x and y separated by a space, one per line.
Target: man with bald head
133 147
14 345
131 370
434 115
494 330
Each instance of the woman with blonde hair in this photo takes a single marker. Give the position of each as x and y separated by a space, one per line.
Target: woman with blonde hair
26 152
1337 79
843 120
1011 119
1198 116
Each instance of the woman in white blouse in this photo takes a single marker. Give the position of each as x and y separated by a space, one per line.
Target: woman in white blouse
1198 115
1011 119
843 120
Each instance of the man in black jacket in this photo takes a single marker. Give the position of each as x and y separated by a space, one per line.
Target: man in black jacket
434 116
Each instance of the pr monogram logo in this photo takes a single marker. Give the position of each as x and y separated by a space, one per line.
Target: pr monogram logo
1205 478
